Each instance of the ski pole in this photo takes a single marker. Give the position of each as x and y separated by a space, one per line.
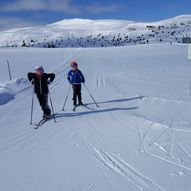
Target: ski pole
32 106
91 95
52 107
66 98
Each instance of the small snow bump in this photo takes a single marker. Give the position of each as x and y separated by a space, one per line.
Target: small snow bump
178 173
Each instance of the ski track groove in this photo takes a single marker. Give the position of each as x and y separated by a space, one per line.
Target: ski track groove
129 127
124 124
183 165
29 138
14 140
153 141
161 124
169 153
172 140
144 136
45 134
120 167
39 139
183 150
168 161
95 127
98 131
66 66
164 99
139 134
100 82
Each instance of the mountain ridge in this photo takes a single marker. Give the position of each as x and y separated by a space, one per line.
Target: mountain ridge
98 33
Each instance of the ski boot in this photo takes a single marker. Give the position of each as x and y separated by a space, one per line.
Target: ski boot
46 117
80 103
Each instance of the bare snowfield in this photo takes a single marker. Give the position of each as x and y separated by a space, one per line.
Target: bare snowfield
138 139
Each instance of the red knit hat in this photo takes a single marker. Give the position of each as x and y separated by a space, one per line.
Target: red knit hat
74 64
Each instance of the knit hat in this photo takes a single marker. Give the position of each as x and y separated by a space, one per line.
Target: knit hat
39 68
74 64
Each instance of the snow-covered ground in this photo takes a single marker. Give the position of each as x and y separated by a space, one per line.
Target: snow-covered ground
138 139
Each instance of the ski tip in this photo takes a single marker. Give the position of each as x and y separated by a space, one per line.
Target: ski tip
35 127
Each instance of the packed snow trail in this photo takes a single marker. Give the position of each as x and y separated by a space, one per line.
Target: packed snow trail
138 138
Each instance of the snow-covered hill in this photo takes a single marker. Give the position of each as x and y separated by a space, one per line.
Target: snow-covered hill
138 139
98 33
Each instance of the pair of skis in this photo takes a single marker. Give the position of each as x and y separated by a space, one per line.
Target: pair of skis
83 105
41 122
44 120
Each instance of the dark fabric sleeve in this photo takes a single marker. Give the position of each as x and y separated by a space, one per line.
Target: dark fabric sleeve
50 77
82 77
30 76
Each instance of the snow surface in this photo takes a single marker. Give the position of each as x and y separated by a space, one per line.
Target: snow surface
9 89
138 139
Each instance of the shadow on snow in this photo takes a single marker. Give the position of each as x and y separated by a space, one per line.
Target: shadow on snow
80 113
89 112
122 100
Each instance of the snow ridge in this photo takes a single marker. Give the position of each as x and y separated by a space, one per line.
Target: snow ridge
10 89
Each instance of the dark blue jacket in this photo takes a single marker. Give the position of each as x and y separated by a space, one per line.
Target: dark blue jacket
75 77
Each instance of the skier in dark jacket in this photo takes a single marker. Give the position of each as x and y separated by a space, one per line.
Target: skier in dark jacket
40 80
75 77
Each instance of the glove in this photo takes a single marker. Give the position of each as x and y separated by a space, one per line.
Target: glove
49 82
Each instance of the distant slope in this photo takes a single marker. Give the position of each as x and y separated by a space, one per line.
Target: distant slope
98 33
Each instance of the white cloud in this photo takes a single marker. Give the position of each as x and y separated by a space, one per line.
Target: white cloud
66 6
96 9
61 6
37 5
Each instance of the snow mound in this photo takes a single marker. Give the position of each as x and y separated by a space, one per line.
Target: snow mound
8 90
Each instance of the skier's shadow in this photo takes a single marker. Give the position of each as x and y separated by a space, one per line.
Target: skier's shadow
80 113
122 100
93 111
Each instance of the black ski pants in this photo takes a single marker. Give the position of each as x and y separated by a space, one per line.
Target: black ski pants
77 93
43 100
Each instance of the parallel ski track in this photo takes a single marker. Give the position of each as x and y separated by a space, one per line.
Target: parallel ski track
122 168
146 141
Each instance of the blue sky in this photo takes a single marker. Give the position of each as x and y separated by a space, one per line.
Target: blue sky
21 13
